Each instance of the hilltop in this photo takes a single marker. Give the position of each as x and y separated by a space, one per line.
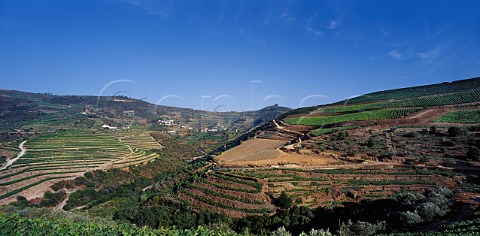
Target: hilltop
23 112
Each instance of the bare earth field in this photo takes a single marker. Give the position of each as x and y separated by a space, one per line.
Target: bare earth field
265 152
251 150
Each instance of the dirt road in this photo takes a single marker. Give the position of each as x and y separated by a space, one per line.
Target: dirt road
23 149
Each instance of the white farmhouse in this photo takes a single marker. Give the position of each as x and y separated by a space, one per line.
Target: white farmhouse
109 127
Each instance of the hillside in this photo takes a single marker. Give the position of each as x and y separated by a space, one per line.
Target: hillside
23 112
410 97
427 103
365 149
67 136
403 160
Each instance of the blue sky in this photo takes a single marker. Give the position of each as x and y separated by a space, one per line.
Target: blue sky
235 55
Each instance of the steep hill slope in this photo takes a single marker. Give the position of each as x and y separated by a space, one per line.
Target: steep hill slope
368 147
68 136
394 95
420 105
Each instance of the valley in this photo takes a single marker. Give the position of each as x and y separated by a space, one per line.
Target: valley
382 148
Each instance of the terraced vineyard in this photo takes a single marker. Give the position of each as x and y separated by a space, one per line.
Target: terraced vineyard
362 142
427 101
247 191
465 117
375 147
419 91
142 147
68 154
330 187
225 193
360 116
430 102
143 141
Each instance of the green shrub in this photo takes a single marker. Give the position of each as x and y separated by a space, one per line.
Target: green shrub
474 153
409 198
281 231
361 228
449 143
428 210
52 199
410 135
454 131
410 218
284 201
342 135
351 153
371 142
21 202
321 232
423 159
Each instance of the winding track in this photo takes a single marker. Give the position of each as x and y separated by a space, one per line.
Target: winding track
23 149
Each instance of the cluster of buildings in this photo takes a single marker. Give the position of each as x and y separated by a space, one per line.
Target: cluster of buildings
129 113
21 131
205 130
170 122
213 129
167 122
109 127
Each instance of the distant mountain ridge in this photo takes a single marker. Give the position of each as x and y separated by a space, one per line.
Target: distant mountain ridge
18 109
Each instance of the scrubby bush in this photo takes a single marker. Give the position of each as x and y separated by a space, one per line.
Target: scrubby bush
424 207
428 210
21 202
410 135
342 135
284 201
409 198
433 129
439 196
351 152
410 218
321 232
449 143
280 232
423 159
361 228
448 162
52 199
371 142
473 153
454 131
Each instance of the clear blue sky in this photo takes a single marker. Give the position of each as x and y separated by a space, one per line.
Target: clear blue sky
235 55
